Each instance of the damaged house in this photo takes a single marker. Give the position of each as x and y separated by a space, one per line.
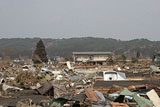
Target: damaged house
156 58
91 58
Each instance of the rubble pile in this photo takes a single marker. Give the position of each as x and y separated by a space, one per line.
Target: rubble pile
27 78
49 86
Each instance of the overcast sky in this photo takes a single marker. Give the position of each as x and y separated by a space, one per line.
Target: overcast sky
119 19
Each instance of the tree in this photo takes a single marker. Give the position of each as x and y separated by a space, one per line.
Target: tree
134 59
10 53
123 58
40 55
138 55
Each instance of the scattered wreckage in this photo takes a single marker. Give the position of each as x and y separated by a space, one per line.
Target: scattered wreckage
155 70
113 75
48 87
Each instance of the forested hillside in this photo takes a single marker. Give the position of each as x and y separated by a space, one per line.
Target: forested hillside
20 47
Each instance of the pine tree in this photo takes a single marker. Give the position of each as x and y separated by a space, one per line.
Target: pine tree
40 55
138 55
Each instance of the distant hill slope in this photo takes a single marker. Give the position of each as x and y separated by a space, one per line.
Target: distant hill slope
17 47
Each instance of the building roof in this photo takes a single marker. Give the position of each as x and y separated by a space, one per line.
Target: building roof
91 53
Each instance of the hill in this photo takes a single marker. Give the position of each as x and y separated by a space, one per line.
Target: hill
24 47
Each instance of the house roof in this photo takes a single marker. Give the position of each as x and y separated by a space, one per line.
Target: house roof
91 53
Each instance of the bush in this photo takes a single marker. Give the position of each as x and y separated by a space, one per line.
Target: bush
134 60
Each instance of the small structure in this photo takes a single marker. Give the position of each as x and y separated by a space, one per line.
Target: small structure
113 75
156 58
91 57
1 57
155 71
56 60
28 68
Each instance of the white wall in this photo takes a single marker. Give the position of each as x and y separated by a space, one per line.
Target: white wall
87 57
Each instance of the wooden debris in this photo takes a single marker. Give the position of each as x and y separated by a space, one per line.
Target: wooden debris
92 96
115 104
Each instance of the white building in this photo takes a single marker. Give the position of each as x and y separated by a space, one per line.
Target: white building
91 57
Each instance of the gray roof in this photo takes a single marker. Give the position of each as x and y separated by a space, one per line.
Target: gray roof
91 53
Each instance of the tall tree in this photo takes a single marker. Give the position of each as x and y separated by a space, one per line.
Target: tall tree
138 54
40 55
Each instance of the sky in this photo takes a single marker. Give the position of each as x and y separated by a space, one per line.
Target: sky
118 19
